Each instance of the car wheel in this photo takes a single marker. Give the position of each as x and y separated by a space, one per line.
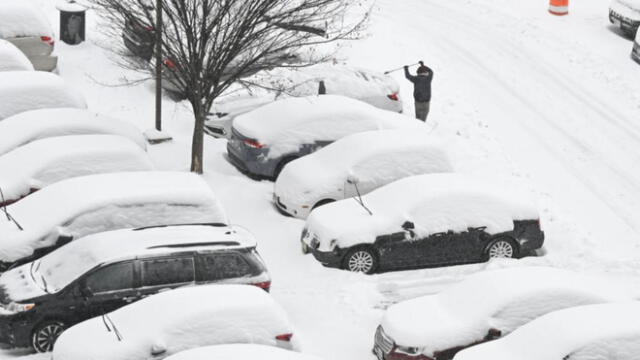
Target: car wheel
502 248
281 166
45 335
361 259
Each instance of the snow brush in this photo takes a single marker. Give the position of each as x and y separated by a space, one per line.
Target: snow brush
400 68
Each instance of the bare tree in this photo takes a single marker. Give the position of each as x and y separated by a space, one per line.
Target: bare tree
208 45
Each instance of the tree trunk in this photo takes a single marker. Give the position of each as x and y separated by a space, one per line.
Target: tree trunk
197 146
158 54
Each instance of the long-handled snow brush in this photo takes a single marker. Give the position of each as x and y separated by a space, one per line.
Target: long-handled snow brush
401 67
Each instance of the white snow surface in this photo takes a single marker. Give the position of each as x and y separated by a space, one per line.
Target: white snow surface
12 59
179 320
627 8
240 352
28 126
591 332
433 202
95 203
502 299
21 18
30 90
44 162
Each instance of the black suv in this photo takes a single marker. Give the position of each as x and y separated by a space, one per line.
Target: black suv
102 272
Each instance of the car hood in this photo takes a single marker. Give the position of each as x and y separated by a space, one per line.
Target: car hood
18 285
305 182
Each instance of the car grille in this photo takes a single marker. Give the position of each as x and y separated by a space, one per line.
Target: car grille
383 341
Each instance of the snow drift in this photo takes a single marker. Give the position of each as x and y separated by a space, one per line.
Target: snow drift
240 352
12 59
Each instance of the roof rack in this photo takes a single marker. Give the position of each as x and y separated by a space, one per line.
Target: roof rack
214 243
172 225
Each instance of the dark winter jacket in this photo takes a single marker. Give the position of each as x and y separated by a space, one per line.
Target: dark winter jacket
421 85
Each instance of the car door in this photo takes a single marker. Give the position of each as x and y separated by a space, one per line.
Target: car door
164 273
399 250
434 248
221 266
110 287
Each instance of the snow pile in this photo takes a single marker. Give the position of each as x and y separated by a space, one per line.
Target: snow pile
12 59
286 124
433 202
44 162
21 19
604 331
179 320
240 352
627 8
30 90
96 203
28 126
502 299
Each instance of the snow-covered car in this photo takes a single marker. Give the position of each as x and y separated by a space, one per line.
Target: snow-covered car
368 86
264 140
26 27
591 332
179 320
425 220
12 59
484 307
109 270
85 205
352 165
626 15
31 90
635 52
28 126
240 352
41 163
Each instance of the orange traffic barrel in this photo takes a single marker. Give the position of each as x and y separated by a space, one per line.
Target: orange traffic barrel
559 7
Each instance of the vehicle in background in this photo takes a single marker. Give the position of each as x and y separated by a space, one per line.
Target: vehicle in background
12 59
484 307
112 269
351 166
635 53
422 221
264 140
240 352
31 90
23 128
138 37
26 27
368 86
626 15
73 208
604 331
178 320
41 163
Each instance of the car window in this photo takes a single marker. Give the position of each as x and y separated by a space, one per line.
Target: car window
224 266
167 271
111 278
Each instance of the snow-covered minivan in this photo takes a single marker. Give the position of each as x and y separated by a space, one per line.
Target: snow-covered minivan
626 15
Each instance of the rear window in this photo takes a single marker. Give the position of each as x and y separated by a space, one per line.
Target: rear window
221 266
167 271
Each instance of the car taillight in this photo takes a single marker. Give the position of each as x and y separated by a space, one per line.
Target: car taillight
253 143
47 39
265 285
393 97
170 64
284 337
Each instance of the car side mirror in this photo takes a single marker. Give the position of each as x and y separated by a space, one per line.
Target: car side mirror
408 225
86 291
158 348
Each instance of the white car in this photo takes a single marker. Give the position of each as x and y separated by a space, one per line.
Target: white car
26 27
626 15
12 59
354 165
80 206
41 163
31 90
593 332
28 126
178 320
240 352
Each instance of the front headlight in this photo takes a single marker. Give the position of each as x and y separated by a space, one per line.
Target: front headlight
409 350
17 308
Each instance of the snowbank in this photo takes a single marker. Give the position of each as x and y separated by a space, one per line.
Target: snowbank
605 331
502 299
28 126
12 59
179 320
21 18
96 203
627 8
434 203
240 352
30 90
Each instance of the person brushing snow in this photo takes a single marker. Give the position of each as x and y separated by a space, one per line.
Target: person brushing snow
421 89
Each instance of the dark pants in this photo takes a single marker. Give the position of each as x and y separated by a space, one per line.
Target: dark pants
422 110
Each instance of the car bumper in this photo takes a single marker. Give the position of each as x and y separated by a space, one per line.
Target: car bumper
331 259
292 210
627 24
528 245
15 331
44 62
252 168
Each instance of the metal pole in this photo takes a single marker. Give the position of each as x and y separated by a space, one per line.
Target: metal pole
158 74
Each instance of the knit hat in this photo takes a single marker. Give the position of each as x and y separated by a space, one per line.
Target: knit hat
423 70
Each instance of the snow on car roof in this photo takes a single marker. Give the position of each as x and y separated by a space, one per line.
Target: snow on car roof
21 18
30 90
178 320
28 126
43 162
562 333
240 352
502 299
12 59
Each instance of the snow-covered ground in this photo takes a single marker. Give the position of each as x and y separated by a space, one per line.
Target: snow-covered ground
552 101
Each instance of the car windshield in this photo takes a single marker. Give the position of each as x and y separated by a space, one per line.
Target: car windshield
54 271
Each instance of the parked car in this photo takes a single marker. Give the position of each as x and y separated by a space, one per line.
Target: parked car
266 139
424 220
635 53
240 352
12 59
70 209
41 163
31 90
109 270
179 320
138 37
366 85
484 307
26 27
328 174
23 128
626 15
605 331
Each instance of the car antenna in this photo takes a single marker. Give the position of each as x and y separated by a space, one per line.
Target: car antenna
359 199
6 212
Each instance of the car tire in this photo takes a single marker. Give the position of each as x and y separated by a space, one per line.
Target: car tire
304 247
362 259
322 203
46 334
501 248
281 166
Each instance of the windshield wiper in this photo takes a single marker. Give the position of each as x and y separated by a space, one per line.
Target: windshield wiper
4 208
359 199
44 282
106 318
